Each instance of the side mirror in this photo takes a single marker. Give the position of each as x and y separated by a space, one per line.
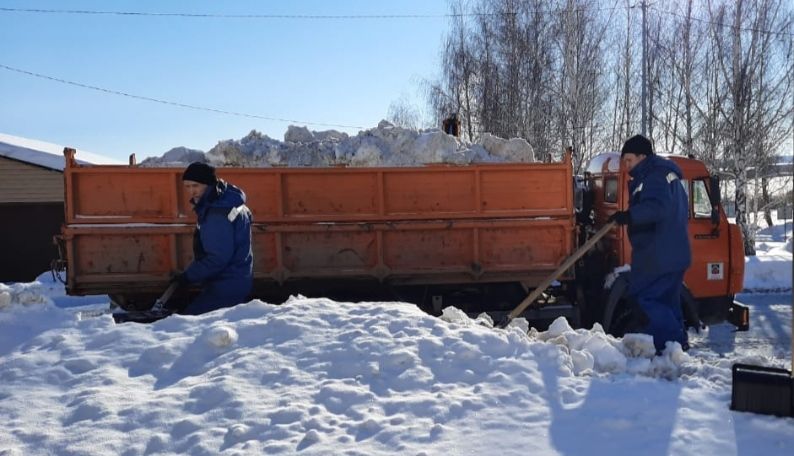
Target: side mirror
714 192
716 199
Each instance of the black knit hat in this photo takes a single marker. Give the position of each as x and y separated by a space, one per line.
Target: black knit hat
201 173
637 145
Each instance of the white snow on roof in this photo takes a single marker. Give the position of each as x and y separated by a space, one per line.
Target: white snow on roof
46 154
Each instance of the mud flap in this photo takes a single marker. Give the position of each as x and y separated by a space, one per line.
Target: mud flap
739 316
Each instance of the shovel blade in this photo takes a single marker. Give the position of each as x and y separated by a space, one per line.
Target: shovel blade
764 390
142 316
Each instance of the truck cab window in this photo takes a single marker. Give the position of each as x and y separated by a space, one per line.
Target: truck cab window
701 205
611 190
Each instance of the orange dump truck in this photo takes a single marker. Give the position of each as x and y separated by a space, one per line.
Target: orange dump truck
475 236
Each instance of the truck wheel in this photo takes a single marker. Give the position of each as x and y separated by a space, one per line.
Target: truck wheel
617 313
689 308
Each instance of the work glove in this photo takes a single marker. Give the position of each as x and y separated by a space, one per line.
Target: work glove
620 217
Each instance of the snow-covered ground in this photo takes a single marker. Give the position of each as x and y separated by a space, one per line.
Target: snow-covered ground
770 269
314 376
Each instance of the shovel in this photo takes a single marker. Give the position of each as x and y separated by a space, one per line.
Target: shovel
553 276
764 390
157 312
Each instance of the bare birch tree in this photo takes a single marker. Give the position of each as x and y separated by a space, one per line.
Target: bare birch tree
566 73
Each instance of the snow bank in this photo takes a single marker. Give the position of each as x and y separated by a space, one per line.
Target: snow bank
314 376
45 291
770 269
23 294
385 145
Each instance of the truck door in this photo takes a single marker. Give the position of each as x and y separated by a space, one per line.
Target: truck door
709 274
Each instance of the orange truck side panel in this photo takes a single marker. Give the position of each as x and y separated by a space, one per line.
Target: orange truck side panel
128 227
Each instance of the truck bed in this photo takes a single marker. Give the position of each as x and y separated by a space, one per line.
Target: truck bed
126 227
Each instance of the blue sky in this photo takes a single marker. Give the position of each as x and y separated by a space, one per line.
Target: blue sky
333 71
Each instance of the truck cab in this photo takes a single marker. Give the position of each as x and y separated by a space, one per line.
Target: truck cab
717 270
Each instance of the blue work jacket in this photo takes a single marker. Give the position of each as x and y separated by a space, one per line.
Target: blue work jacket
659 209
222 239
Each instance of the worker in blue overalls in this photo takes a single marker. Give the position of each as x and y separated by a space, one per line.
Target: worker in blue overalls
660 252
222 257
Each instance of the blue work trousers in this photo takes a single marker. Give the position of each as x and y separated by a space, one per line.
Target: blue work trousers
220 294
660 298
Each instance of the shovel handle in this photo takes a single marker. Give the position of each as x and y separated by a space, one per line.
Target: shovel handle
160 303
169 291
553 276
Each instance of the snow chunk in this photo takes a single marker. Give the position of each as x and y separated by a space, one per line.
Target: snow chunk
454 315
558 327
583 361
668 365
297 134
23 294
513 150
176 157
522 324
484 319
5 299
638 345
220 336
606 357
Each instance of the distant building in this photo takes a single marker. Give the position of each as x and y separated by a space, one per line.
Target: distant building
31 204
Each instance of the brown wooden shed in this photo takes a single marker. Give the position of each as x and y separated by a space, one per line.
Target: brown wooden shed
31 204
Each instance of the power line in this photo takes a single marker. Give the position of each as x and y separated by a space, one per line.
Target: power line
248 16
722 24
174 103
356 16
295 16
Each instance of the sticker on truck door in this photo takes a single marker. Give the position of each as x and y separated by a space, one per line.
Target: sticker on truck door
715 271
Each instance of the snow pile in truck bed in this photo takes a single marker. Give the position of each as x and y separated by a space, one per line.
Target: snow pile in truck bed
385 145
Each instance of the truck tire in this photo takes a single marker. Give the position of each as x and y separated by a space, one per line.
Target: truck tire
689 308
618 312
614 304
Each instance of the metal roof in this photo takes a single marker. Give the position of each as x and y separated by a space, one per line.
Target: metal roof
46 155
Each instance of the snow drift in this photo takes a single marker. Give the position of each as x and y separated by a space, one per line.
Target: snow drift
313 376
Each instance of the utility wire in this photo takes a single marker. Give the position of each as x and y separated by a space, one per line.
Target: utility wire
174 103
249 16
294 16
356 16
722 24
